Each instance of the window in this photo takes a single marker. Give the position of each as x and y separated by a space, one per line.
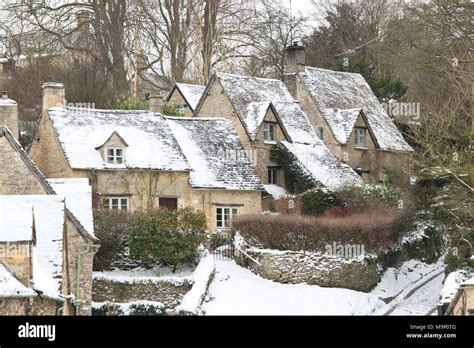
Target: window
269 132
360 136
225 216
116 203
273 176
182 109
321 133
115 156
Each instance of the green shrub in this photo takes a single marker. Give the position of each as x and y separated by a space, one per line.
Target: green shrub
112 228
169 238
127 103
356 199
315 202
170 110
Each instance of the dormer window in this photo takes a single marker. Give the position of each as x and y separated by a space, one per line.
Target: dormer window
115 156
113 151
269 132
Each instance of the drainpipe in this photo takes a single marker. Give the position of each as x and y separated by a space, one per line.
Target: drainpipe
87 249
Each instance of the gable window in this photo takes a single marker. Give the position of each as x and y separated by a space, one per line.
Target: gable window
321 133
360 135
273 176
182 109
225 215
116 203
269 132
115 156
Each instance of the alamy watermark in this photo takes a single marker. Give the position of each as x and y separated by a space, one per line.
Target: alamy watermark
400 109
346 251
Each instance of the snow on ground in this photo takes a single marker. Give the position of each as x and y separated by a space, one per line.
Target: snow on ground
395 280
412 289
238 291
156 274
423 301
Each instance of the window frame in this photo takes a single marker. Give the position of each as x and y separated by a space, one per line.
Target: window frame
110 205
113 159
357 142
269 130
223 223
272 179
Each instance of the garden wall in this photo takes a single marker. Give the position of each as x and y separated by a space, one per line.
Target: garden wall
312 268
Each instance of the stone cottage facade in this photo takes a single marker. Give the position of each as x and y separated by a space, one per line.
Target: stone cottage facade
46 240
135 160
348 117
264 114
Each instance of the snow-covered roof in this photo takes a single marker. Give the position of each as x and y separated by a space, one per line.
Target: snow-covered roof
151 144
48 212
16 225
217 157
321 164
78 195
452 283
345 92
342 122
12 287
252 97
276 191
191 93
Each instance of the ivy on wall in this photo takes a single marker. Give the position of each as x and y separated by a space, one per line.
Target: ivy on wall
297 180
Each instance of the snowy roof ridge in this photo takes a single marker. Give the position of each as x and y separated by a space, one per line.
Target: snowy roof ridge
151 143
217 156
251 98
103 111
42 180
343 90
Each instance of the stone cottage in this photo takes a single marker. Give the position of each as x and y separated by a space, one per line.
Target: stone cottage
265 114
348 117
135 160
184 96
46 240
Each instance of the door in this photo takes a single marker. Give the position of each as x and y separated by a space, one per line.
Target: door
169 203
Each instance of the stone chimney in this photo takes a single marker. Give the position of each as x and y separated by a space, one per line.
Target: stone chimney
9 114
295 59
53 96
156 103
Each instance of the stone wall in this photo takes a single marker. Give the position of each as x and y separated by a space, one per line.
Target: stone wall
15 177
290 267
28 306
167 292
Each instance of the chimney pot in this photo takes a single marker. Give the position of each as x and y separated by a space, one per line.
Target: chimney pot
295 58
4 95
